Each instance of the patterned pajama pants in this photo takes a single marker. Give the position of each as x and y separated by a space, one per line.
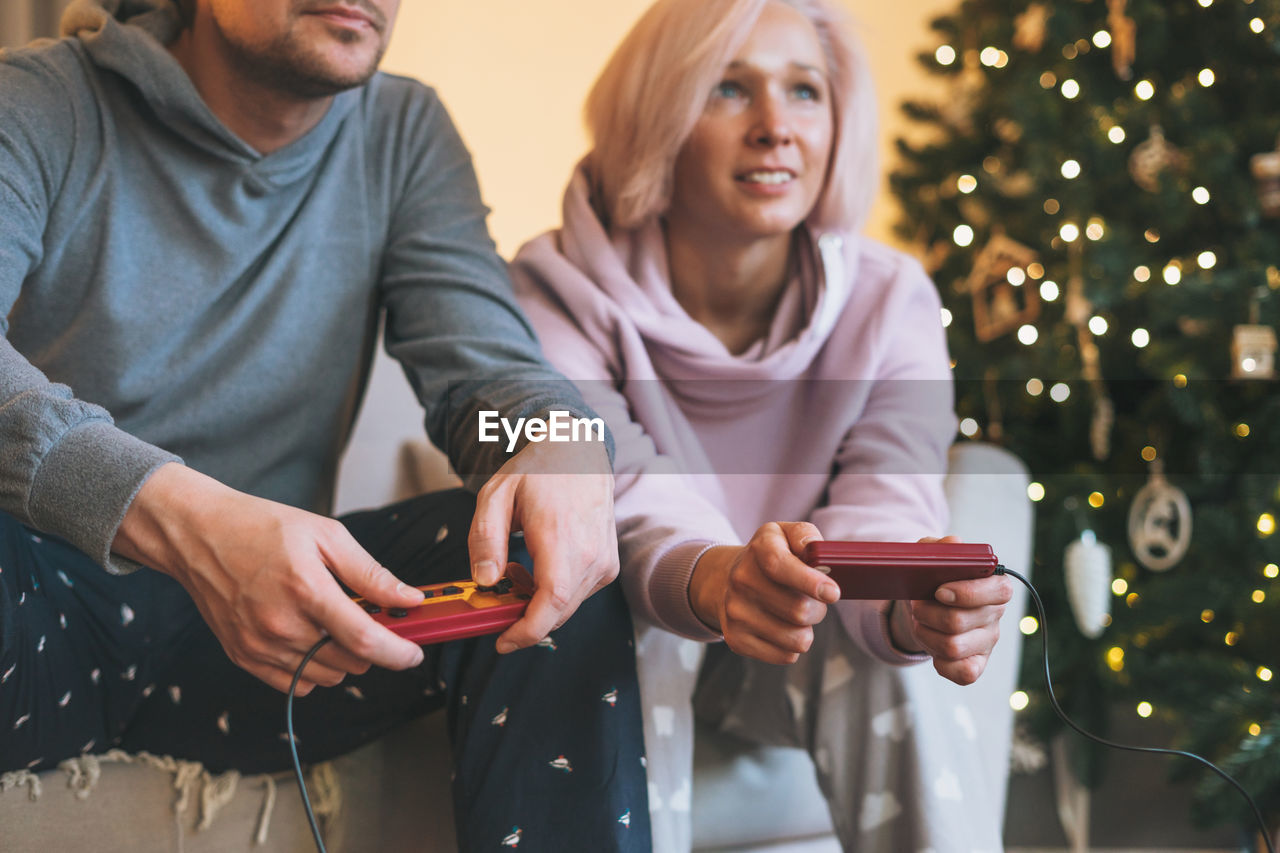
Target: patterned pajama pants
904 762
547 741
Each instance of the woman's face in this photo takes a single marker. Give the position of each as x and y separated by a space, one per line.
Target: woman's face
756 161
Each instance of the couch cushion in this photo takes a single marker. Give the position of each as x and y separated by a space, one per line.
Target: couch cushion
745 794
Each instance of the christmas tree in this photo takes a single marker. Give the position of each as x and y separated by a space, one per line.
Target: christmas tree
1098 200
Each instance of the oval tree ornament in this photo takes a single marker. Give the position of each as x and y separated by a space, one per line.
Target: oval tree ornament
1159 524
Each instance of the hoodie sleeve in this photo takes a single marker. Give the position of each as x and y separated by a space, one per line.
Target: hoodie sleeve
451 318
887 481
664 525
65 468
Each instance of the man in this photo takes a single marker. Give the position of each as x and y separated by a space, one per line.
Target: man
203 214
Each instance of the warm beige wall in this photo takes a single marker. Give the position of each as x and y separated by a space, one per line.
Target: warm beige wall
514 74
894 31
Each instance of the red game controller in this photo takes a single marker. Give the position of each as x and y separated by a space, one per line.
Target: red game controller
455 611
899 570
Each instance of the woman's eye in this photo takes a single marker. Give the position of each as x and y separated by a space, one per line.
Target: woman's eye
725 89
805 92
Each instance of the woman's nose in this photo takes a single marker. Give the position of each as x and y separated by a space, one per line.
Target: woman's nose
772 126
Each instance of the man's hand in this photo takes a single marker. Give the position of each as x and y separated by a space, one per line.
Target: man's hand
260 574
561 496
959 628
762 596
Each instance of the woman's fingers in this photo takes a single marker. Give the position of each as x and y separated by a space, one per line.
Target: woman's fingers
781 645
772 556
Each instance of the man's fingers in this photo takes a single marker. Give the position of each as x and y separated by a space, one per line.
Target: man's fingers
566 572
570 573
324 671
556 593
546 612
327 668
604 579
337 658
357 633
354 566
318 673
487 540
280 678
569 533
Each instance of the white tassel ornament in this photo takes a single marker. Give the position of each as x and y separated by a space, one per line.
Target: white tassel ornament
1087 564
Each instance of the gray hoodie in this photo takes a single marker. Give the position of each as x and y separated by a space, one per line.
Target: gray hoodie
171 294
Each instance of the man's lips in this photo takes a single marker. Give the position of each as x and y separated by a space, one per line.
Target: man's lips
348 15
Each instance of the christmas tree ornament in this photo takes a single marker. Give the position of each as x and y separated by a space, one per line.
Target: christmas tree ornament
1159 523
1018 185
1101 423
1078 311
1087 564
970 85
1169 265
1008 130
1253 352
995 412
1026 754
999 305
1030 27
1266 174
974 212
1124 39
1077 308
936 256
1152 158
1253 346
1194 327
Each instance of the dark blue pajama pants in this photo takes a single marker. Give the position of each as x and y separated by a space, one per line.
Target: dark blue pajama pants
547 741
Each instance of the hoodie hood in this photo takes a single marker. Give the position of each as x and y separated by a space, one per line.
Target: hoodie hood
625 274
129 37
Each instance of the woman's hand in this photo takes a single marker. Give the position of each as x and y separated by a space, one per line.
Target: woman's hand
959 628
762 596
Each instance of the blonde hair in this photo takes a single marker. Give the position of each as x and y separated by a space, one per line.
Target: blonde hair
653 89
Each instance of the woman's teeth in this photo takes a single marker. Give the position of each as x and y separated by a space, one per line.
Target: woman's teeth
767 177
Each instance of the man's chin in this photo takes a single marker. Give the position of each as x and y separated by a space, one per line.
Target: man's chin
339 80
319 76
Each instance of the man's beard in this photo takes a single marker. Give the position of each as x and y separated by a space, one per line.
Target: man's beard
287 66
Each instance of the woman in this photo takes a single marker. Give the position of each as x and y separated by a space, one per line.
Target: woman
758 362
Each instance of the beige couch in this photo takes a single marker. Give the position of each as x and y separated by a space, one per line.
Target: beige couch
394 794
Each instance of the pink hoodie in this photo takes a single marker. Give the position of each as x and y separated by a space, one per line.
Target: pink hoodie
842 416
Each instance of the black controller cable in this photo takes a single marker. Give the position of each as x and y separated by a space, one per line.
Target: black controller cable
502 586
1048 680
293 744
